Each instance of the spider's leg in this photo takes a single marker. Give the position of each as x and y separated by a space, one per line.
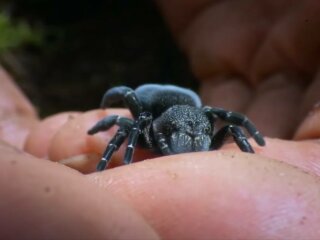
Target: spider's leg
162 144
107 122
238 119
123 94
144 121
160 139
113 146
237 134
124 123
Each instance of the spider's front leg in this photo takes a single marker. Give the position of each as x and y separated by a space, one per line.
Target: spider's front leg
162 144
237 134
125 124
237 119
123 94
160 139
142 124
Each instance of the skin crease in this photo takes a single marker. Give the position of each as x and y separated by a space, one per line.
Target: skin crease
256 49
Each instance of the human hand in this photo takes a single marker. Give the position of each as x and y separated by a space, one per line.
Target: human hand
221 194
40 199
257 57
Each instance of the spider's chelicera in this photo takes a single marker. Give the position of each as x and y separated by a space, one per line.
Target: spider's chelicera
169 120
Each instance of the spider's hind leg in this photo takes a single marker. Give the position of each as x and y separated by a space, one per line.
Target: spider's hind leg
237 134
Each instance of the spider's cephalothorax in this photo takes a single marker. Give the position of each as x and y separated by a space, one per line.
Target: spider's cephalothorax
169 120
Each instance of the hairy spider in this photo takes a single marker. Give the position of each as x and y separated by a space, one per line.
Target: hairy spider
169 120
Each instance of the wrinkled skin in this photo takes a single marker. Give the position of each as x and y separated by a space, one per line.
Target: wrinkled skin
265 51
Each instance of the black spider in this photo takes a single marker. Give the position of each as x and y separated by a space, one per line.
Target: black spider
169 120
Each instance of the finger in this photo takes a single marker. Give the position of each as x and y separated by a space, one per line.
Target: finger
12 100
46 200
39 140
275 109
14 129
292 44
74 135
222 37
276 101
310 127
179 13
62 137
248 38
229 93
311 98
219 195
65 139
302 154
17 115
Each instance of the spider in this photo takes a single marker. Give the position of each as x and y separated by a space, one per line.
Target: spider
169 120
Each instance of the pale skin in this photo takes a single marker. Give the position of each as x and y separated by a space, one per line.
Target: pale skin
263 56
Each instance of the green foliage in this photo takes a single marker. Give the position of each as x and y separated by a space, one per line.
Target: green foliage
13 35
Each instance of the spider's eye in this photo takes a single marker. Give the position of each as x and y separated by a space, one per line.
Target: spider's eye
207 129
190 123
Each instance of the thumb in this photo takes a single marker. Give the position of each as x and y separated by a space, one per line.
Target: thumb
220 195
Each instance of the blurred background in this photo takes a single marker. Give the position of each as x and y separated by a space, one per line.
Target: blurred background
66 54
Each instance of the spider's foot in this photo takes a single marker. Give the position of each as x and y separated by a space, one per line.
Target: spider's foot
259 139
128 155
104 124
91 131
102 165
247 148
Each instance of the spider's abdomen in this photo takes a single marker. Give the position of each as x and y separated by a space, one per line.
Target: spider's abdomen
186 129
158 98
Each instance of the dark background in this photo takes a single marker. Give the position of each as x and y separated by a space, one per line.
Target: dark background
90 46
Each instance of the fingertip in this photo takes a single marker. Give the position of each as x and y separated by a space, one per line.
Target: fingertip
72 146
71 138
39 139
